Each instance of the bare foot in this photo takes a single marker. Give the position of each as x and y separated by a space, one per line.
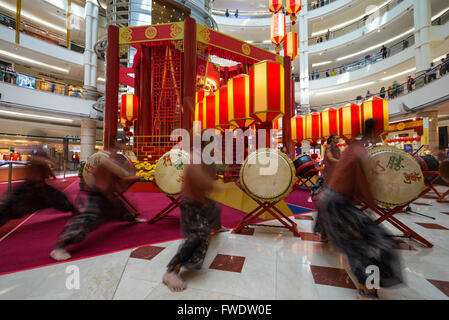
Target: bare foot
222 229
173 282
137 220
60 254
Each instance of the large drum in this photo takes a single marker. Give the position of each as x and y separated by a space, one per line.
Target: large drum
428 163
169 171
304 164
97 158
267 175
398 177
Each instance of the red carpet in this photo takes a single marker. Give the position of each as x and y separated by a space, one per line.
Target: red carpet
299 198
29 246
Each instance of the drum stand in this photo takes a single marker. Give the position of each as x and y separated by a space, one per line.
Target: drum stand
302 181
386 214
164 212
265 207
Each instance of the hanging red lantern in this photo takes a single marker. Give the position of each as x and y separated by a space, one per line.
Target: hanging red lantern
298 128
350 121
266 85
377 109
313 127
278 30
330 122
293 8
417 139
275 5
291 45
129 110
238 102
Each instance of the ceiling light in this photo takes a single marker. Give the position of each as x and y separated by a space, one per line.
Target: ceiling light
398 74
15 56
34 116
34 18
101 79
321 63
376 46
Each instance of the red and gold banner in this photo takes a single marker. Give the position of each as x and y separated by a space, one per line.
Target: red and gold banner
291 45
377 109
298 128
170 31
231 45
350 121
266 86
275 6
313 127
238 102
330 122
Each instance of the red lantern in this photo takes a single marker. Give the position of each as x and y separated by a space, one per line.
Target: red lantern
291 45
238 102
330 122
266 85
209 112
350 121
293 8
222 110
278 30
129 110
418 139
298 128
377 109
313 127
275 6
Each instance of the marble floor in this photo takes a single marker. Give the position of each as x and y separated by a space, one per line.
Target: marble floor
264 262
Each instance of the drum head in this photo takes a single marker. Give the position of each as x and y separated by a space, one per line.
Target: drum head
399 178
169 171
267 175
93 161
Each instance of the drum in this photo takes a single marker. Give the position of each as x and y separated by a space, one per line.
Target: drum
97 158
304 163
169 170
428 163
398 177
267 175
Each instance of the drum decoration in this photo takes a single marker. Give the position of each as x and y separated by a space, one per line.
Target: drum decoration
298 128
266 87
222 109
128 111
330 122
293 8
264 184
275 5
238 102
377 109
100 157
278 30
209 112
350 121
398 176
313 127
169 171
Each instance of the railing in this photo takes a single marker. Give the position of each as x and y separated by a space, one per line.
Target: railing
37 32
443 19
10 169
10 76
397 90
332 34
316 4
370 58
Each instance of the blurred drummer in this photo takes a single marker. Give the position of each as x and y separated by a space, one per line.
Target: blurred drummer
103 206
34 193
195 224
354 233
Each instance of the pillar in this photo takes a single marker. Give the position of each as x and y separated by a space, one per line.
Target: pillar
90 57
145 126
112 88
288 111
88 138
430 130
304 59
189 73
422 21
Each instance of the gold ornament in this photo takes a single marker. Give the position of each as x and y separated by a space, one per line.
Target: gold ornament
150 32
246 49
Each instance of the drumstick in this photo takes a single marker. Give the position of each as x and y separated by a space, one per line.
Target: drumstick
417 150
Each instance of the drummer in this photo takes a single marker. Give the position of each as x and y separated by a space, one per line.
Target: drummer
353 232
103 206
